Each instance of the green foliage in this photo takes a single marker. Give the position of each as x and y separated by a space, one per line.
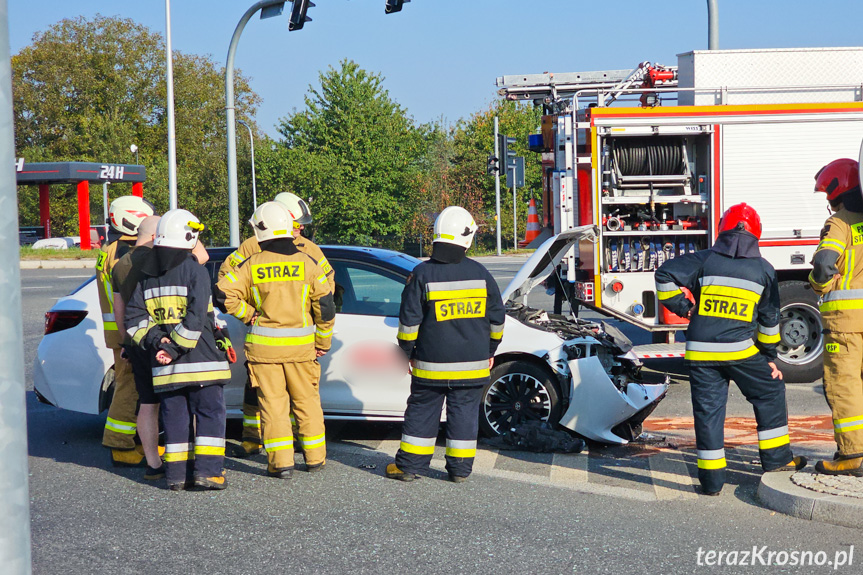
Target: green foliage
85 90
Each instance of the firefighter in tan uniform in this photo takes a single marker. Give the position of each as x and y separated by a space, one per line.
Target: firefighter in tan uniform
837 276
302 217
125 214
285 296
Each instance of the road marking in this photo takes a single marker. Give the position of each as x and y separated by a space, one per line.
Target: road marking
569 468
36 287
74 277
670 477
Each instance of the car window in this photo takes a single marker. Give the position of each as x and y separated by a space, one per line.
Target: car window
367 290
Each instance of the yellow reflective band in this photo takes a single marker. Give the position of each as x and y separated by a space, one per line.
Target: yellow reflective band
279 443
257 295
209 450
323 279
251 422
711 463
457 294
304 305
241 313
725 307
407 336
321 333
831 244
497 335
445 236
325 265
841 304
124 427
161 380
768 338
417 449
167 309
664 295
235 259
456 452
775 442
189 343
470 374
719 355
847 429
180 456
849 267
278 272
732 292
459 309
812 280
231 277
267 340
110 326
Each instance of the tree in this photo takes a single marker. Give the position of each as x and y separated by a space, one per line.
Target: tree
354 152
85 90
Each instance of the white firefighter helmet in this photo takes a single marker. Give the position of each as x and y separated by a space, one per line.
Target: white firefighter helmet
297 206
455 225
127 212
178 229
271 221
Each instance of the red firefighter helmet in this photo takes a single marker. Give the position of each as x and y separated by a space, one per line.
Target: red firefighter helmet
838 177
741 215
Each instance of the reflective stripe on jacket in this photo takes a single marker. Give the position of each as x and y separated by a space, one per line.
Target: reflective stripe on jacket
842 295
108 257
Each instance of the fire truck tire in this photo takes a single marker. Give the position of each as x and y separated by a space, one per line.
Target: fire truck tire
801 343
518 392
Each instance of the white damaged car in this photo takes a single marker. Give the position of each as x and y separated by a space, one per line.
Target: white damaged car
577 373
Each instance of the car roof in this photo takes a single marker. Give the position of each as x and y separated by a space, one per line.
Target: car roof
379 256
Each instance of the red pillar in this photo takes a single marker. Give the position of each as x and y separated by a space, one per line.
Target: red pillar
45 209
84 213
138 189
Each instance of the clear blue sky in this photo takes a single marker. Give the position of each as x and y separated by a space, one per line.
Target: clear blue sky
440 58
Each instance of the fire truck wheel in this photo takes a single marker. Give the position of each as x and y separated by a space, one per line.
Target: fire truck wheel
518 392
801 343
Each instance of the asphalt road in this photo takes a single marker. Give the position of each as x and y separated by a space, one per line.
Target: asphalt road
612 511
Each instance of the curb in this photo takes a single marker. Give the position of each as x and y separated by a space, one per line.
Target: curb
776 491
57 264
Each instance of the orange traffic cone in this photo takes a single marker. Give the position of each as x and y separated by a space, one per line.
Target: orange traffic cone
533 227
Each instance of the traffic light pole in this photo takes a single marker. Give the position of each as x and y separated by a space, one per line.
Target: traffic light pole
514 212
15 503
497 185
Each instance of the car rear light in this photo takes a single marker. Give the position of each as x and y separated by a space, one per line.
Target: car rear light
59 320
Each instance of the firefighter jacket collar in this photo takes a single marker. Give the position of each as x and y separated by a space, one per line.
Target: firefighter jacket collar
737 244
447 253
852 200
163 259
284 246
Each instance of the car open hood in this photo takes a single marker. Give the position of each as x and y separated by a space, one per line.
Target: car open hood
543 261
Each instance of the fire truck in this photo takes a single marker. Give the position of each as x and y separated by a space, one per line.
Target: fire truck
653 156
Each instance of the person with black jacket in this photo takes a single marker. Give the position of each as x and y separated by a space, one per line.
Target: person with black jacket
450 325
732 335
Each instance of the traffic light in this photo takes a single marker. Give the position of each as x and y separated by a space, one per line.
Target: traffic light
394 6
493 165
298 14
507 154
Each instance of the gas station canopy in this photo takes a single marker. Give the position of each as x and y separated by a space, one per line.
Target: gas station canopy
44 174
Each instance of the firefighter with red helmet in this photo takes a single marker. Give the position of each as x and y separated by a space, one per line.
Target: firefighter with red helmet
732 335
837 276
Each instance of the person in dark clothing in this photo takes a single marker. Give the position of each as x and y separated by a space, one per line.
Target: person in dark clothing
732 335
450 325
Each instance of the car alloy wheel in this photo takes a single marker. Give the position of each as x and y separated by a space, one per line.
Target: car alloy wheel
519 392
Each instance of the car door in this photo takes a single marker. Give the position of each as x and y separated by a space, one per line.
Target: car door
365 373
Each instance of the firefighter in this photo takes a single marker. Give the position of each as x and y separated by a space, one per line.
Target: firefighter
285 295
837 276
170 315
302 217
126 275
450 324
732 335
125 215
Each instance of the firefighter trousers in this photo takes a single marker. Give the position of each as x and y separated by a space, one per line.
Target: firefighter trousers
709 387
122 423
422 419
252 411
194 422
843 387
282 387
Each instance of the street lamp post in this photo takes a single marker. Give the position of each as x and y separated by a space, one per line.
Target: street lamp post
172 138
134 149
233 205
252 144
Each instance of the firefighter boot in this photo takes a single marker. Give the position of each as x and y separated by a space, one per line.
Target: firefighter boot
315 467
211 483
251 447
853 466
394 472
280 472
126 457
796 464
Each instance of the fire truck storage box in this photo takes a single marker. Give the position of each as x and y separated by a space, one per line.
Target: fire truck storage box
809 74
